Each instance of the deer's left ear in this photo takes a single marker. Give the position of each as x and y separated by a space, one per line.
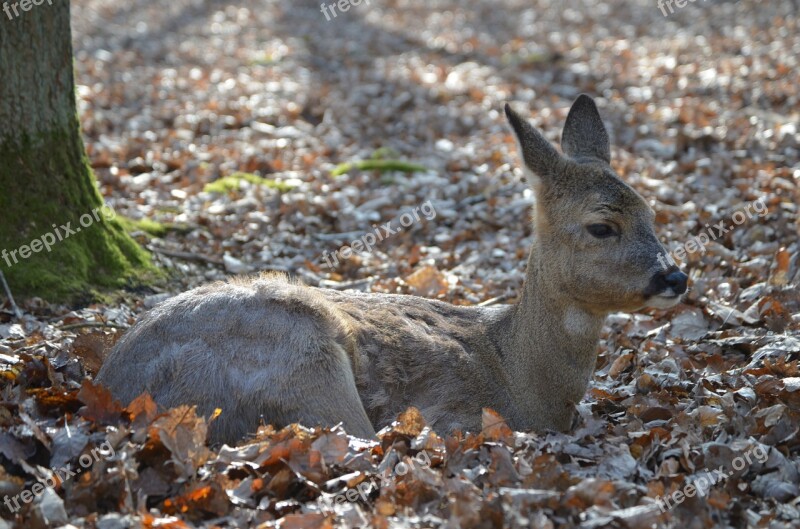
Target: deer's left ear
541 159
585 135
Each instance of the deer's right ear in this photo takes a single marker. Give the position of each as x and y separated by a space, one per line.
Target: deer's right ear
585 135
538 155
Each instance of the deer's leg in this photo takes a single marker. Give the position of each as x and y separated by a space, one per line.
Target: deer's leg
331 397
311 383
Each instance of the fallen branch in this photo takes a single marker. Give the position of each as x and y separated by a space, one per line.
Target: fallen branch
73 326
186 256
17 312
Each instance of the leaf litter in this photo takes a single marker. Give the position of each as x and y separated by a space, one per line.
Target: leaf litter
270 101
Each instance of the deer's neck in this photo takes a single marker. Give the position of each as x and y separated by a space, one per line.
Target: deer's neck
548 345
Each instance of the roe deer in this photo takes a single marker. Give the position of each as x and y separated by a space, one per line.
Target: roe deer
269 349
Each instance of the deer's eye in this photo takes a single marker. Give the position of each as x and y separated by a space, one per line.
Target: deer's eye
601 231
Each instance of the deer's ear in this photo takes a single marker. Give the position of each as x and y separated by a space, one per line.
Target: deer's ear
538 155
584 134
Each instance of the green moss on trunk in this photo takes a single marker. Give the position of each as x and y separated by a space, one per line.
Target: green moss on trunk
48 194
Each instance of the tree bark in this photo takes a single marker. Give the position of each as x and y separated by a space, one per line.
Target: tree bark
55 241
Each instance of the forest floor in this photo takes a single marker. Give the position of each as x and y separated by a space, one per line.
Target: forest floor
693 414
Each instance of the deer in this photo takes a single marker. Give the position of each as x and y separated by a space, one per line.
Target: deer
268 349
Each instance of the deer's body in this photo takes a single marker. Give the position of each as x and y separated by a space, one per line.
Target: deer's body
272 350
285 352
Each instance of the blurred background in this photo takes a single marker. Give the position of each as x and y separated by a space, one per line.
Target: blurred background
702 105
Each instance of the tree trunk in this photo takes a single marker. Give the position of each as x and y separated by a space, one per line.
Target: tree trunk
57 239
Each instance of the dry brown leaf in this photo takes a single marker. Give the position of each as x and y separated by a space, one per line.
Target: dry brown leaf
495 428
428 282
99 404
410 422
92 349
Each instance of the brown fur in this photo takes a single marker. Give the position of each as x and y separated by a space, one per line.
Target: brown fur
269 349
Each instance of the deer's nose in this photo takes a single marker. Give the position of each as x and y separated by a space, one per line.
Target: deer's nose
671 278
677 281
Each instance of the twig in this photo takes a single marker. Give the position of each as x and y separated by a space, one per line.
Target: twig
186 256
73 326
494 301
17 312
349 235
345 285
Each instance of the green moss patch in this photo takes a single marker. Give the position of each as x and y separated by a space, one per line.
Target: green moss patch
233 183
151 227
382 160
